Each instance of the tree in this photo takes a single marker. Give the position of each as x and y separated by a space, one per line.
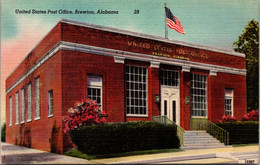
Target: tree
248 43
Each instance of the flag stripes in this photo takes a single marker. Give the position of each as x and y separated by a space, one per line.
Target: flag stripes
173 21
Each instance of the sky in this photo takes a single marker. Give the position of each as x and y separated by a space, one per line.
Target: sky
215 23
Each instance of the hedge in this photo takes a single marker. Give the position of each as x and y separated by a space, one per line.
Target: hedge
123 137
241 132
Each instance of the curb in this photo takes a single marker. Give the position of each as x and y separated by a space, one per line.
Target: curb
171 159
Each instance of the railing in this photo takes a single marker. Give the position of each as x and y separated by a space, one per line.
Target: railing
165 120
214 130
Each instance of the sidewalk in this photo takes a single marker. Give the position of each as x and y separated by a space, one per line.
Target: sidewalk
188 156
13 154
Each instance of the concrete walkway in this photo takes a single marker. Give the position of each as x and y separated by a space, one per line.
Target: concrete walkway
216 155
13 154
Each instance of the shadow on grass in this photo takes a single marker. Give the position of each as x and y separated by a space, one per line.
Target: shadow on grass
243 145
76 153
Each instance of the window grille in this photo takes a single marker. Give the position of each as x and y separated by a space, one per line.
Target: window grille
94 91
29 102
198 95
37 99
136 97
50 101
22 105
229 102
169 77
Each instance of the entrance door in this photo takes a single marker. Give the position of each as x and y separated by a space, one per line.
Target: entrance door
170 103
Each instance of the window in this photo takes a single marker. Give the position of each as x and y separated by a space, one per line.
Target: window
229 102
169 78
37 99
199 95
29 102
22 105
10 110
94 89
136 97
50 98
16 108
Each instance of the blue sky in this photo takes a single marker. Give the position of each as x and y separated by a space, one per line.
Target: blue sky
216 23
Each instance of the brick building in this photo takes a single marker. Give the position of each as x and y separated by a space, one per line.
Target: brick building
131 76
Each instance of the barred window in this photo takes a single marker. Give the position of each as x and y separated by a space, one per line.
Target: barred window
50 101
16 108
229 102
199 95
29 102
37 99
22 105
169 77
136 97
94 91
10 110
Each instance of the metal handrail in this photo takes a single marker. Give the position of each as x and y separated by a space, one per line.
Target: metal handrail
165 120
214 130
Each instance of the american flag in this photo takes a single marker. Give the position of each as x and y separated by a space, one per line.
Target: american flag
173 21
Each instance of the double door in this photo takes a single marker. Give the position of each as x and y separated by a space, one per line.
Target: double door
170 105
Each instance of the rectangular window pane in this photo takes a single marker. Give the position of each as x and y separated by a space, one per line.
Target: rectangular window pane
10 111
37 98
50 98
198 95
136 90
29 102
22 105
16 108
229 102
169 77
94 89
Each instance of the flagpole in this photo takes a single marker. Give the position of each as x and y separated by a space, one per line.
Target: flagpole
166 30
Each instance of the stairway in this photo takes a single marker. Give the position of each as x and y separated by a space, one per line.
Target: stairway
200 140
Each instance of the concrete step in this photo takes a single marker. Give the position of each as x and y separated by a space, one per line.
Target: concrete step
201 142
194 138
204 147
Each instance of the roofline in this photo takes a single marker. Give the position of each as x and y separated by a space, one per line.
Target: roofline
152 37
135 34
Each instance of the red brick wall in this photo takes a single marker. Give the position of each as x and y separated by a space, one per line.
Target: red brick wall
94 37
218 84
46 133
35 55
76 66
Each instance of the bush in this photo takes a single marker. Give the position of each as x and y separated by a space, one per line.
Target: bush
124 137
83 113
241 132
3 129
228 118
251 116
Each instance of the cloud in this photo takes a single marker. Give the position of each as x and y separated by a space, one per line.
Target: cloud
13 51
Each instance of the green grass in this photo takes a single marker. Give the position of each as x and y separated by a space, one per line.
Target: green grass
76 153
242 145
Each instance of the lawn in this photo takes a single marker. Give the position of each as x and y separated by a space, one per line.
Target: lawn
76 153
242 145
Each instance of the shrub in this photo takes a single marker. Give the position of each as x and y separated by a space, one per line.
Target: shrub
227 118
3 130
122 137
83 113
241 132
251 116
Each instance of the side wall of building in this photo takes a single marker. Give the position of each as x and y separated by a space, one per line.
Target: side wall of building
46 132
